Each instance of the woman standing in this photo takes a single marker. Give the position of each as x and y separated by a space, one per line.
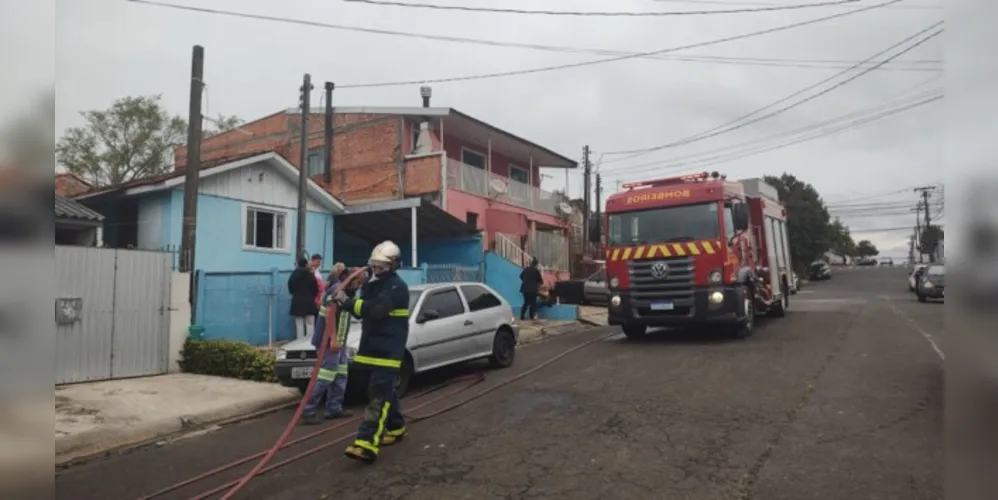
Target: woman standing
303 289
530 284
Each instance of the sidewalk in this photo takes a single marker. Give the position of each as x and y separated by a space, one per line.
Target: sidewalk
533 331
92 418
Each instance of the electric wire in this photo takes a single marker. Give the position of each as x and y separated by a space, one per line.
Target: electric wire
723 2
495 10
734 125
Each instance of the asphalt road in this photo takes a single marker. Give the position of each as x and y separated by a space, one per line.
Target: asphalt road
841 399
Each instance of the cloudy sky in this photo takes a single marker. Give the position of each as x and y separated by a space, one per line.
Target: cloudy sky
106 49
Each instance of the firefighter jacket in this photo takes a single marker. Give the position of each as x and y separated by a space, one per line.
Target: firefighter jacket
383 309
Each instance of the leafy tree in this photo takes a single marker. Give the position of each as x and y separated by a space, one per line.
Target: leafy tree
929 240
840 240
866 248
221 123
807 219
134 138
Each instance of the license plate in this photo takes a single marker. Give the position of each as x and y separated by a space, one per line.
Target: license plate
301 372
661 306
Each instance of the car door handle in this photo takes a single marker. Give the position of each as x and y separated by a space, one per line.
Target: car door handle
468 322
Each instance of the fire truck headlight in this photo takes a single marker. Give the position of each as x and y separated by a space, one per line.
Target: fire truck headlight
715 277
614 282
716 297
615 301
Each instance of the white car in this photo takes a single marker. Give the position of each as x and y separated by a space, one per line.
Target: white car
449 323
916 272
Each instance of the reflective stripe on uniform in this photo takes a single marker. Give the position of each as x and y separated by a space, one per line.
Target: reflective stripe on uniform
366 445
326 375
357 304
382 362
399 313
396 432
381 423
343 369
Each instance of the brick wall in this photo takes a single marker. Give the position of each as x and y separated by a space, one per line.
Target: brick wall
69 185
365 149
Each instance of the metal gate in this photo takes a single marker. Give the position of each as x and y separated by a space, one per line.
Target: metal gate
112 313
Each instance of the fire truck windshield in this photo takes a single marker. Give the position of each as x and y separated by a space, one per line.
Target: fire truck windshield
677 223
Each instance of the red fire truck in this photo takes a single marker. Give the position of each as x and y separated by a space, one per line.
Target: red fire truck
696 250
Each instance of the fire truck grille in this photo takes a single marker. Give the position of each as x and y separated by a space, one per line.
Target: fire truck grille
676 286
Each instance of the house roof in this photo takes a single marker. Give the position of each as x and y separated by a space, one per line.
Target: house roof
175 179
69 209
465 126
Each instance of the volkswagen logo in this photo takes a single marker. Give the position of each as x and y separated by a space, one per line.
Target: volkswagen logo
304 355
660 270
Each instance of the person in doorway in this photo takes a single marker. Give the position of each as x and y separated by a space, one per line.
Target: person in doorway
383 308
314 264
530 283
303 289
331 382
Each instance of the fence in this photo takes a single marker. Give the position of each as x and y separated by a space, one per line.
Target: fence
551 250
253 306
111 313
479 182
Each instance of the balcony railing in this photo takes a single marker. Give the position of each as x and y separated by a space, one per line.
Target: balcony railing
479 182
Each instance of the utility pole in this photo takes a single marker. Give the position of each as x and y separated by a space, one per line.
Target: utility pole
918 230
925 190
305 102
189 234
586 166
599 209
328 137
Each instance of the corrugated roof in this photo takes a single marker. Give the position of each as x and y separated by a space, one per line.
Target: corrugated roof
69 209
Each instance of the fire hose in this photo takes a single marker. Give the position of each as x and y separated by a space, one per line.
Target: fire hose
282 442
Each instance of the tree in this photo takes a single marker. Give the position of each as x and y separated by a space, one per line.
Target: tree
929 240
807 219
839 238
866 248
134 138
221 123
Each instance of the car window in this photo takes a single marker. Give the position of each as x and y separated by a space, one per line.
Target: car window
937 271
598 276
479 298
413 298
447 303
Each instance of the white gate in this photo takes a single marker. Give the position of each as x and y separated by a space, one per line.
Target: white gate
112 313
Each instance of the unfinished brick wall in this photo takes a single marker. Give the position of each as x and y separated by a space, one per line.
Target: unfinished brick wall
422 174
365 149
69 185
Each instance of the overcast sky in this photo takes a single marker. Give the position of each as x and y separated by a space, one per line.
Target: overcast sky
107 49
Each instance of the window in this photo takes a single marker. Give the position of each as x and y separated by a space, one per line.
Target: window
679 223
447 303
472 219
479 298
265 229
519 174
729 222
314 161
471 158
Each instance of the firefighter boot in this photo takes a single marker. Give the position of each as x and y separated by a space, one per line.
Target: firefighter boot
363 454
392 437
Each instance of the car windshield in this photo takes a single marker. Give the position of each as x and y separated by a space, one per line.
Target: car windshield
937 271
681 223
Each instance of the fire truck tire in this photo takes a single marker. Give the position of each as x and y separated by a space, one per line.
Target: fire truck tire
779 309
747 325
635 332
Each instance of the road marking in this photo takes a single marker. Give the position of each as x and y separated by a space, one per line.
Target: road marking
926 335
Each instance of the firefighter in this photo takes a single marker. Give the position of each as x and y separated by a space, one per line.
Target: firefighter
383 308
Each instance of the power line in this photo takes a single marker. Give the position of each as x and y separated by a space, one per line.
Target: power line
914 65
723 2
734 125
762 146
494 10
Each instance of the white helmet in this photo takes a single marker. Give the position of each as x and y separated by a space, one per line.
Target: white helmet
386 251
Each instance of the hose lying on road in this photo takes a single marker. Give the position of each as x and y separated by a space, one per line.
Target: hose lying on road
282 442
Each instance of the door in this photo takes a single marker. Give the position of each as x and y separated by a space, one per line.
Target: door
437 337
486 313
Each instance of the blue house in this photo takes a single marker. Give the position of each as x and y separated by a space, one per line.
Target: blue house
246 211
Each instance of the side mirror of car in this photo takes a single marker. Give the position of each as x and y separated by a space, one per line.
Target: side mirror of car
740 216
427 315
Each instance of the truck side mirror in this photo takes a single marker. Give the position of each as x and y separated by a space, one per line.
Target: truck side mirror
740 216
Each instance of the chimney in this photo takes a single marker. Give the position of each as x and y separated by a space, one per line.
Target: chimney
426 92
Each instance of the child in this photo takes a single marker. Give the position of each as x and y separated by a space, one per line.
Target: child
331 382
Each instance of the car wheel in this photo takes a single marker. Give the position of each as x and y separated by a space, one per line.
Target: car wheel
747 326
503 349
635 332
780 309
922 298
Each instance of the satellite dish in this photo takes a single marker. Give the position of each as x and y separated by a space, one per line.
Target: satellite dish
565 208
499 186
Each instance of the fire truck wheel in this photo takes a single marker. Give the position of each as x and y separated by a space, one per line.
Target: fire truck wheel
779 309
745 328
635 332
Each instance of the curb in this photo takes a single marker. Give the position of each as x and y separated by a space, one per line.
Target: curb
88 445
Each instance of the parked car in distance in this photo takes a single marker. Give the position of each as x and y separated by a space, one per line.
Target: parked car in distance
819 270
449 323
595 289
932 284
916 274
867 261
